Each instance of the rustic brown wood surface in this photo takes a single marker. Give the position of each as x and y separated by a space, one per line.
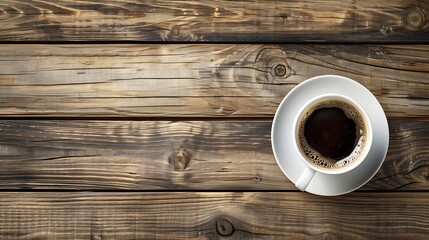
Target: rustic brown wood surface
226 21
180 215
106 133
199 80
152 155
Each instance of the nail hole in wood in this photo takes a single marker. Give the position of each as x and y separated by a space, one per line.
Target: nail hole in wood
280 70
224 227
180 159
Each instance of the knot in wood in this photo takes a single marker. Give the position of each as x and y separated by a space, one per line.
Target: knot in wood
415 18
180 159
176 31
179 33
280 70
426 176
224 227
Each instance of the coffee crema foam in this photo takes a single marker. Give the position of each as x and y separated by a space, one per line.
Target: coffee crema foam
314 156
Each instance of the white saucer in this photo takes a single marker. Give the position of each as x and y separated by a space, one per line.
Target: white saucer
282 137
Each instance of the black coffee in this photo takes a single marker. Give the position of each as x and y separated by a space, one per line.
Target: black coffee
331 133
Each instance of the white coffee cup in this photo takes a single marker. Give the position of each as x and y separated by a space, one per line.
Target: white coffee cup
311 169
341 179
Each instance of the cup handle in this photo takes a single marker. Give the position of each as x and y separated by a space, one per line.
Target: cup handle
305 179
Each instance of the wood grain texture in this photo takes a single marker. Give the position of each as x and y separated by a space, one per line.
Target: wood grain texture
199 80
201 155
226 21
181 215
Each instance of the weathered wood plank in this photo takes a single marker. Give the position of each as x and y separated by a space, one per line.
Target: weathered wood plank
180 215
206 155
199 80
217 20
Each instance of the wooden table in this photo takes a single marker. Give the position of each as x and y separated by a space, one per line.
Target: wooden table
151 119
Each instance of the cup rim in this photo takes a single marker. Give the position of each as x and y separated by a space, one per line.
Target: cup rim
368 143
